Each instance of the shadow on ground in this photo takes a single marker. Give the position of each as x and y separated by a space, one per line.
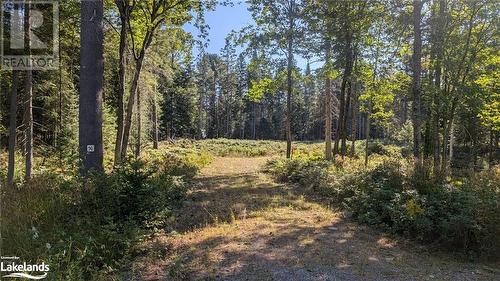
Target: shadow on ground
238 224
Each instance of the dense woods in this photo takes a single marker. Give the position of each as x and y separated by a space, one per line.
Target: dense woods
377 68
346 85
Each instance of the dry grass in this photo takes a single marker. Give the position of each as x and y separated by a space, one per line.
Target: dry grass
237 224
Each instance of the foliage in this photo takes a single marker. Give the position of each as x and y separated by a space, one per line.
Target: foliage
459 216
86 228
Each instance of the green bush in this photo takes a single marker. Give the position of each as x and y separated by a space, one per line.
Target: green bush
84 227
461 216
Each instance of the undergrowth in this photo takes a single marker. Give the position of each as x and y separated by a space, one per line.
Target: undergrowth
87 229
460 215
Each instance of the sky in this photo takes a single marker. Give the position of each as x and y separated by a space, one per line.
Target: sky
225 19
222 21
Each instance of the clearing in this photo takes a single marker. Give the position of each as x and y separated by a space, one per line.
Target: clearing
237 224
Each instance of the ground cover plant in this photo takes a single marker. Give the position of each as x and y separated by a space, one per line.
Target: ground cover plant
88 228
459 214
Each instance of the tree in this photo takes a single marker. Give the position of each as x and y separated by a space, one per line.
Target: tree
28 88
143 23
416 88
328 105
282 24
91 86
124 8
12 128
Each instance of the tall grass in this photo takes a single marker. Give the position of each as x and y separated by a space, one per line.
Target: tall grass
86 229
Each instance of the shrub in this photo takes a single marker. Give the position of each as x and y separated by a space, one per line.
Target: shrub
81 227
389 195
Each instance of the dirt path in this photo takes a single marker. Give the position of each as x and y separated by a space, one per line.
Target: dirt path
237 224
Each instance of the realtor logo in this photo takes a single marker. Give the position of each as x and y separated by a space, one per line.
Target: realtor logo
29 43
12 268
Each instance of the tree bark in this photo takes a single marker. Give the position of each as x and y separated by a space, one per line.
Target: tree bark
254 120
139 125
343 107
91 86
343 146
28 112
447 140
121 80
130 105
328 106
437 82
354 121
289 89
12 128
155 123
416 87
367 135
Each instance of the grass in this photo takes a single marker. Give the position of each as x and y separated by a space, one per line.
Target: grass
88 228
94 229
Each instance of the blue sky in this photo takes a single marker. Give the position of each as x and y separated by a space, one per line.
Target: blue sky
225 19
221 22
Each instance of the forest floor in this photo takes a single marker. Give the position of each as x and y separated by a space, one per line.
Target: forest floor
238 224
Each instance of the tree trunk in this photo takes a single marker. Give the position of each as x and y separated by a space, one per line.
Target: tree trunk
60 113
121 83
416 87
91 86
447 140
139 125
12 128
491 149
343 107
288 121
343 146
367 135
328 106
28 112
130 105
452 142
155 123
289 88
200 111
254 120
354 121
437 82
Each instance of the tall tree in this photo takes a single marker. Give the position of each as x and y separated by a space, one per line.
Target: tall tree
13 127
139 125
149 17
28 104
416 84
124 8
91 86
282 24
328 104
